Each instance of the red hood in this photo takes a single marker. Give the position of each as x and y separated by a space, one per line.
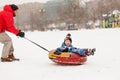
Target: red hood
9 9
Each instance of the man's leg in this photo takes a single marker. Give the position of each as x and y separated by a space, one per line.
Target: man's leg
7 41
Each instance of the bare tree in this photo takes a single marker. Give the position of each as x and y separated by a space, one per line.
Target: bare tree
32 15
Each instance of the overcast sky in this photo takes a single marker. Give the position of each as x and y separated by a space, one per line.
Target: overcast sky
3 2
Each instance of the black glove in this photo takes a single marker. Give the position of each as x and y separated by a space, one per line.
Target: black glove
57 52
65 50
21 34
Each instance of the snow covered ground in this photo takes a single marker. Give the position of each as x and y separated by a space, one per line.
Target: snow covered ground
35 65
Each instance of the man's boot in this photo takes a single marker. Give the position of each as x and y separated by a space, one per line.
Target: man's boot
6 60
11 56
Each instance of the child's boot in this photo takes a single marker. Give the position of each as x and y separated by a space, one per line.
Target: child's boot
89 52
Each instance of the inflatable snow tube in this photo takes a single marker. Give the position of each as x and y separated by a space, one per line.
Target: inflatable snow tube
67 58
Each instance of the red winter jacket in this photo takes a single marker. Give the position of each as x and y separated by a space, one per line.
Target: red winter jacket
7 20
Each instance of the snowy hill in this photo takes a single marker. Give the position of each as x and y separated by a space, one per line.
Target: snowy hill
35 65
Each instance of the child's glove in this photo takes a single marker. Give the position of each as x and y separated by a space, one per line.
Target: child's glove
65 50
57 52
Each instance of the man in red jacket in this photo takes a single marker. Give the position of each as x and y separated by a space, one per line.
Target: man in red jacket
7 24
